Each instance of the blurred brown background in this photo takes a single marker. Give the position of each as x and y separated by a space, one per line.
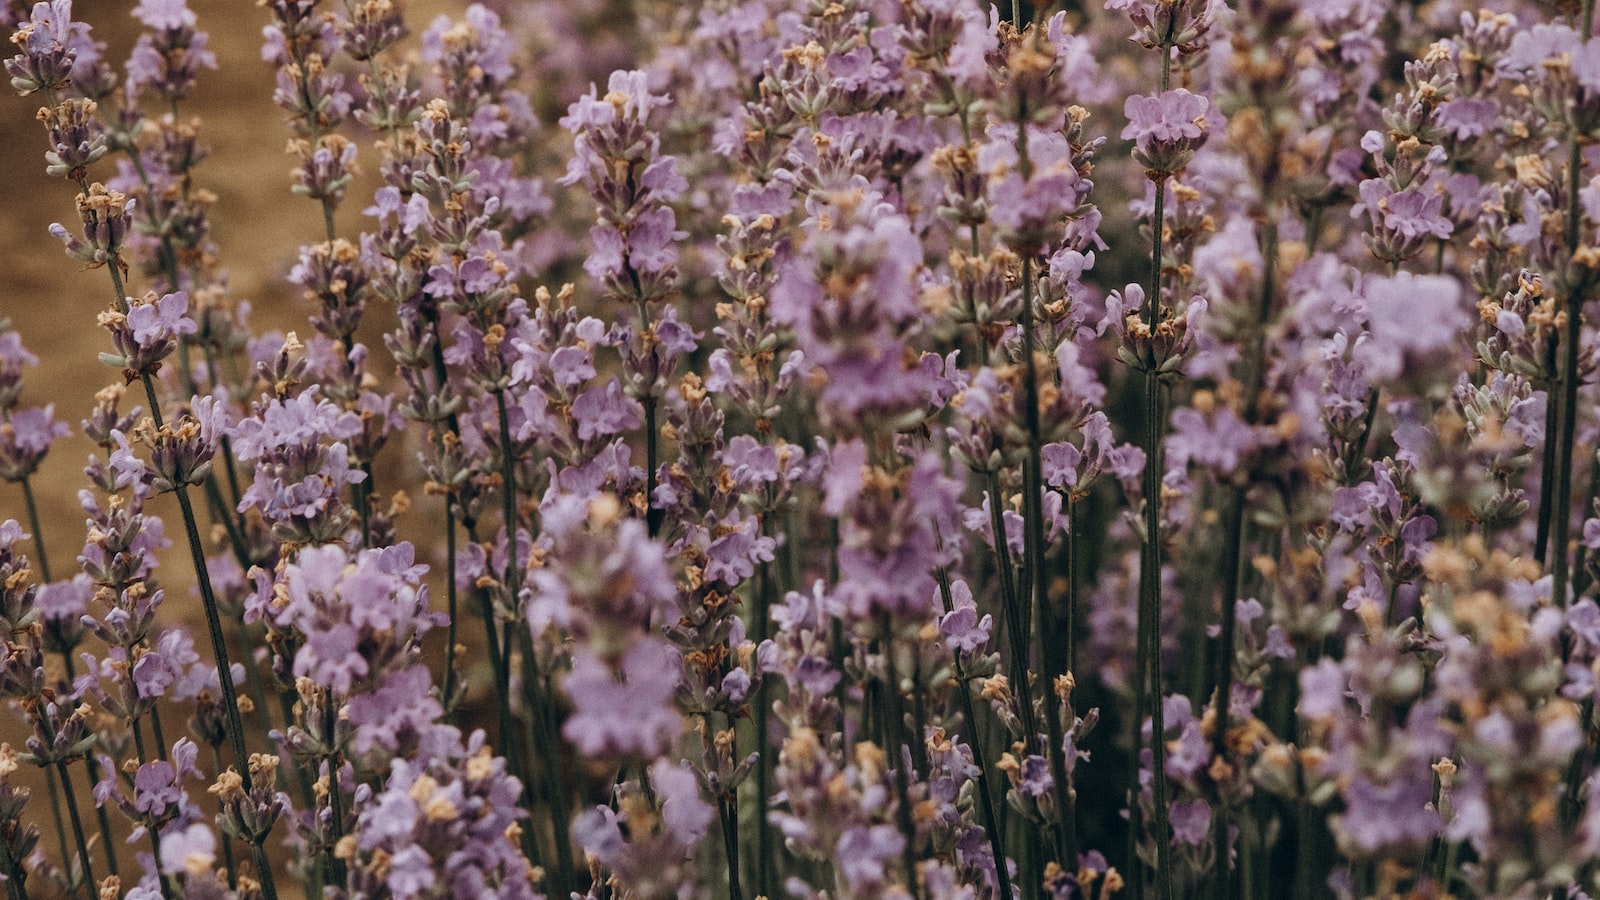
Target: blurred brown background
257 224
52 301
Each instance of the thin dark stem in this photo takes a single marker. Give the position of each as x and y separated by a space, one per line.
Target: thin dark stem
61 824
652 516
335 791
219 641
1547 458
93 766
1581 579
513 582
208 600
138 743
761 715
1561 506
227 839
1305 857
230 700
1233 553
161 739
222 512
1033 564
895 744
991 822
1016 621
508 505
258 853
1150 678
450 602
1568 376
729 814
33 523
155 847
14 874
652 429
77 824
549 750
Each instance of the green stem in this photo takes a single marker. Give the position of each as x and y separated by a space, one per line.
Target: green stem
1581 579
1033 564
219 641
450 604
33 523
335 792
1569 378
155 729
258 853
155 847
728 813
760 620
61 824
1233 552
991 822
77 824
1015 619
1150 678
208 600
549 750
14 872
895 743
1577 279
227 839
513 582
93 765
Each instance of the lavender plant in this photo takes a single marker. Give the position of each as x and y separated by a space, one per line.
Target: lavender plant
866 449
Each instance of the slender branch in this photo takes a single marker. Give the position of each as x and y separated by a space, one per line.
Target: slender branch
77 824
61 824
1149 646
93 765
33 523
450 602
991 822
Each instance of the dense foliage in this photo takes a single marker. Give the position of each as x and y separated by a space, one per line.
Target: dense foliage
872 448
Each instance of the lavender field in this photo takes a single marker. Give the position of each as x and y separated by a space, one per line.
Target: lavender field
862 449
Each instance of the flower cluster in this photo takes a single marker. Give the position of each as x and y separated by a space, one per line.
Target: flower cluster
868 449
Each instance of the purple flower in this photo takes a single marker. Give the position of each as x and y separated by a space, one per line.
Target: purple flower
1469 117
403 708
605 411
1167 129
148 332
1410 214
49 40
440 823
1381 816
686 815
863 851
1531 48
632 716
962 629
1191 822
484 44
1415 323
165 14
191 849
25 438
733 557
1034 780
1322 690
329 657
